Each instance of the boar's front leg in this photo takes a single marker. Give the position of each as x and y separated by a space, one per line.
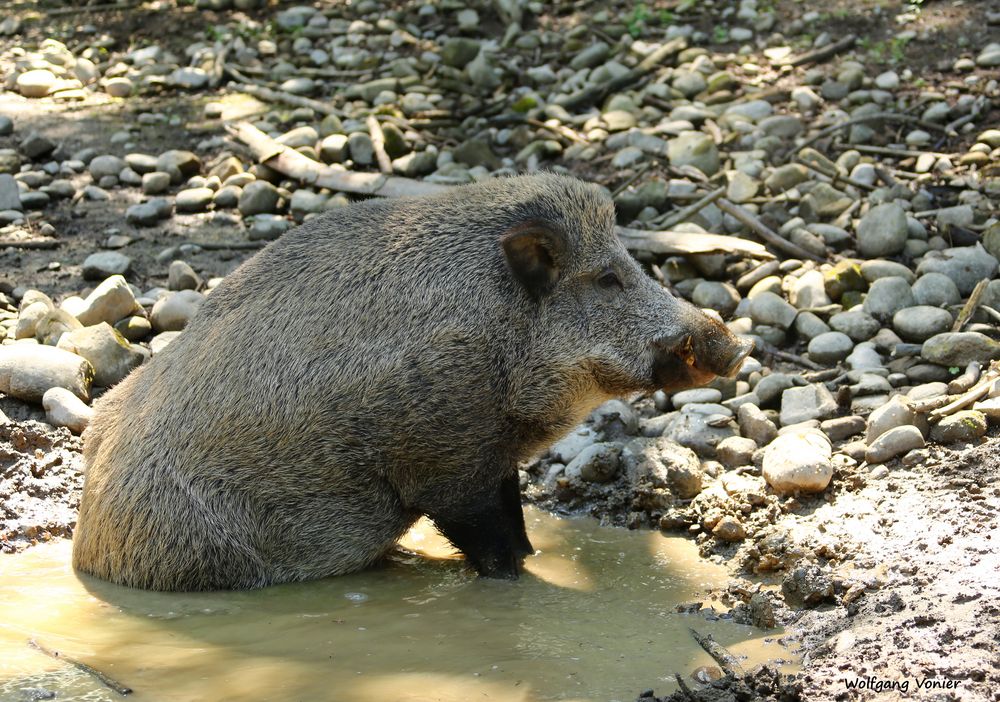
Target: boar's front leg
510 490
479 525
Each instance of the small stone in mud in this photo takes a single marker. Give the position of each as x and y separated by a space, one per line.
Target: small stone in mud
807 586
798 461
64 409
894 442
729 529
964 426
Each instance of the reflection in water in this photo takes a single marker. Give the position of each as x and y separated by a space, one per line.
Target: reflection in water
593 619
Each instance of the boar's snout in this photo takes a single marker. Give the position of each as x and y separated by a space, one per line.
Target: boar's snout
704 350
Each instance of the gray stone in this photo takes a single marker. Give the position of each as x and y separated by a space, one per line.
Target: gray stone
770 309
798 461
653 465
134 328
694 149
259 197
808 291
143 214
858 325
800 404
960 349
963 426
880 268
965 265
459 51
695 396
883 231
194 199
155 183
721 297
10 194
333 148
936 290
886 297
897 412
27 371
36 83
105 165
786 177
99 266
736 451
361 148
179 164
770 388
598 463
108 352
864 357
570 446
831 347
694 428
917 324
64 409
173 312
842 427
267 227
181 276
808 326
894 442
35 146
754 424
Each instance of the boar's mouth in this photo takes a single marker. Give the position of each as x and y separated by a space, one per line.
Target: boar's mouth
693 362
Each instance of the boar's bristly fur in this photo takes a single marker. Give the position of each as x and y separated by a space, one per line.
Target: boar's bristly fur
380 362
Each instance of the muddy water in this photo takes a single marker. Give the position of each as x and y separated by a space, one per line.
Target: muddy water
593 619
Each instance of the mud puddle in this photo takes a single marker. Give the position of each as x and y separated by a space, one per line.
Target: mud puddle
594 614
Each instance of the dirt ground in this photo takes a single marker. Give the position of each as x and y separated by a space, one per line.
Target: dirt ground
912 609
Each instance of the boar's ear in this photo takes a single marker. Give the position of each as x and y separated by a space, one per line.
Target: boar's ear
533 251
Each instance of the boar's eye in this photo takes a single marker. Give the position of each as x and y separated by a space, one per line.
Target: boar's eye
608 279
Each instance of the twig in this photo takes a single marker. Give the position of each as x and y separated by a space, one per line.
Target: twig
874 117
822 53
965 399
970 306
300 167
885 176
378 144
788 356
685 213
835 177
270 95
631 179
30 243
764 232
106 680
889 151
560 130
991 312
222 245
726 660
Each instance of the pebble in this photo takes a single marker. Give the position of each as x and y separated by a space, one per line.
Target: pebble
258 197
736 451
106 165
181 276
830 348
99 266
936 290
798 461
64 409
755 425
173 312
963 426
960 349
694 149
111 356
27 371
965 265
770 309
842 427
800 404
883 231
597 463
10 194
858 325
729 529
194 199
917 324
696 395
155 183
695 429
886 297
36 83
895 413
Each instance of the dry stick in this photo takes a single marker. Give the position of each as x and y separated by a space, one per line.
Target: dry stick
885 176
631 179
874 117
378 144
788 356
295 165
561 130
682 215
835 177
93 8
821 54
269 95
889 151
107 681
30 244
671 243
965 399
970 306
764 232
726 660
221 245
